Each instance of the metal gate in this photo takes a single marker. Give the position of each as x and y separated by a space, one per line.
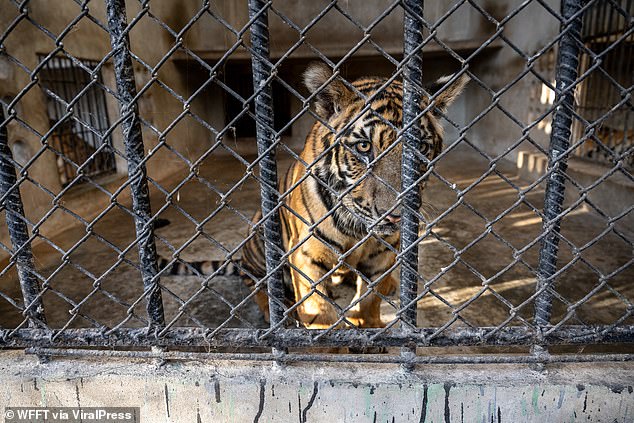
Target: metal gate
281 341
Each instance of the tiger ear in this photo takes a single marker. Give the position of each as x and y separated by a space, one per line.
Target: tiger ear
329 99
449 94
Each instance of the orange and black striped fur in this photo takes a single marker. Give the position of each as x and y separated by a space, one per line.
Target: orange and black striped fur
354 164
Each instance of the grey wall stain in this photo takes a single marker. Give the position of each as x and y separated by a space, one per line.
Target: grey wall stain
423 413
310 401
447 387
261 403
217 390
167 402
562 393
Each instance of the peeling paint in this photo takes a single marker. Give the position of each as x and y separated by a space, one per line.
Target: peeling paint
535 399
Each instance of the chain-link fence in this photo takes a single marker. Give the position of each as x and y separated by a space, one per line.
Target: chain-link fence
138 139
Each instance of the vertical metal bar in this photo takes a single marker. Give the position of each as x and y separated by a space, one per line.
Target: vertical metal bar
567 66
268 167
133 141
411 165
19 233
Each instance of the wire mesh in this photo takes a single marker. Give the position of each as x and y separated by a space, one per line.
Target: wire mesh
223 206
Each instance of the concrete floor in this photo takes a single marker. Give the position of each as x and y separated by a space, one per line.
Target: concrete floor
511 280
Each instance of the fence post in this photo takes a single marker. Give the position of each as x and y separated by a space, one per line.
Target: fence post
567 64
19 233
411 164
268 167
133 140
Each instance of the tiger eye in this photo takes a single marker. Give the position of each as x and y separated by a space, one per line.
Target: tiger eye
363 147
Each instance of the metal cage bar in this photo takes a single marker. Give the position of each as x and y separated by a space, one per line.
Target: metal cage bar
336 358
514 328
19 233
265 134
411 163
137 175
567 69
306 338
60 74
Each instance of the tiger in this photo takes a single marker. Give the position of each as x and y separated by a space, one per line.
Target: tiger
348 194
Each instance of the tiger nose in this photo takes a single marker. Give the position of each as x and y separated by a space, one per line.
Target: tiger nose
393 217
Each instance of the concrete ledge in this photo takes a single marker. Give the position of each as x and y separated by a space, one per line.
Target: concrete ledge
221 391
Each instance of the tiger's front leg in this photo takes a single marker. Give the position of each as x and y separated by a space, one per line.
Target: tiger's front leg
367 312
314 312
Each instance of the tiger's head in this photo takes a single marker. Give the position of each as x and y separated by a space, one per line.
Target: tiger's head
363 164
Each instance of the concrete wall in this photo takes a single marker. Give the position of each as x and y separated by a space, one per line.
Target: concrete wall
334 34
529 31
221 391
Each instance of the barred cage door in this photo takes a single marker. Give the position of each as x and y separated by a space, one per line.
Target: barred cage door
80 135
612 139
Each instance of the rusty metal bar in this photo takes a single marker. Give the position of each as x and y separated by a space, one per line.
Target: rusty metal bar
567 66
261 69
411 163
296 338
133 140
19 232
347 358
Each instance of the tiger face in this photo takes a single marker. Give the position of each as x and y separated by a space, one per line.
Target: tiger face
362 166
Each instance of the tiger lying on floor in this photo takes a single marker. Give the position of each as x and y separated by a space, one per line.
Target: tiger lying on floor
370 205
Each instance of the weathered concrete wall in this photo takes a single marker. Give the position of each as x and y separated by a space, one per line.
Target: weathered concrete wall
334 34
263 392
532 28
